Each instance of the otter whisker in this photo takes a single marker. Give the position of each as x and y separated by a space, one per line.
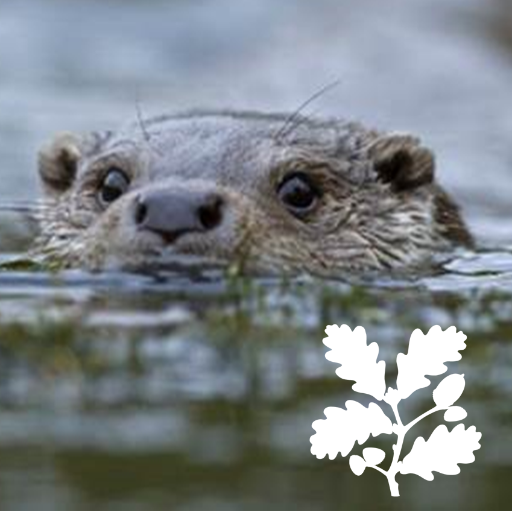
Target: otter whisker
142 125
290 124
140 120
24 206
299 121
26 202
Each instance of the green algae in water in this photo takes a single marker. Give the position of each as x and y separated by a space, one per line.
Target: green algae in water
23 265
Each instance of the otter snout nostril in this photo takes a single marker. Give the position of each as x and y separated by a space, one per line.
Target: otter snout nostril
141 211
209 214
172 214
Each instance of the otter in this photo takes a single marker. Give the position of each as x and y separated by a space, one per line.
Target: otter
271 193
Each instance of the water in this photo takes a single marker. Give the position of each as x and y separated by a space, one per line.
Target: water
132 391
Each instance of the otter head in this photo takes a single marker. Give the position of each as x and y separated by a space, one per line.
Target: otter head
244 188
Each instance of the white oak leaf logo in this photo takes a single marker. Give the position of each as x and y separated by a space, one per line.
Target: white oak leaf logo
427 354
358 360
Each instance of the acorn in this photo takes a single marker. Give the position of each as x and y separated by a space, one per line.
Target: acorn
357 464
373 456
455 414
449 390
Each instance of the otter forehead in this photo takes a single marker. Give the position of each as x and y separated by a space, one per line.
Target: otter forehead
228 148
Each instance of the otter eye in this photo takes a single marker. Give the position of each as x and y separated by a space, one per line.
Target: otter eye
114 185
297 193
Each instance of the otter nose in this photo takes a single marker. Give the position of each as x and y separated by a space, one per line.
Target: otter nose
172 214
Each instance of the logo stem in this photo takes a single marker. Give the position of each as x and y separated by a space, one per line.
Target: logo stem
401 430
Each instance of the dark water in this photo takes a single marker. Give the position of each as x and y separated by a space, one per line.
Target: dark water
125 391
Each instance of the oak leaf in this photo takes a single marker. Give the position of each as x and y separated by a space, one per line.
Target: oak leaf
442 452
426 356
358 361
342 428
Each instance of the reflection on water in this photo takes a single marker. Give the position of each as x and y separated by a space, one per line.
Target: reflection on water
122 391
140 391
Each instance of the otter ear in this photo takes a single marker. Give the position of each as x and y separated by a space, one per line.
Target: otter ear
402 161
58 163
